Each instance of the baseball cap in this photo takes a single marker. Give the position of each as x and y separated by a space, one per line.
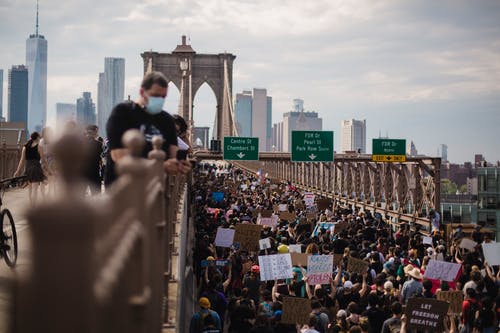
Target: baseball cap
348 284
204 303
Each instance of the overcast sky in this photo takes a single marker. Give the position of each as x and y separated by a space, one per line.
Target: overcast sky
427 71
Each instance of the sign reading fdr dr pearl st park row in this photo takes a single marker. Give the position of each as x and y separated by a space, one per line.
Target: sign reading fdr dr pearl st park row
389 150
241 149
312 146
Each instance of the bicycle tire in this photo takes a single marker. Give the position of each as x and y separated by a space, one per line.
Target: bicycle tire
10 254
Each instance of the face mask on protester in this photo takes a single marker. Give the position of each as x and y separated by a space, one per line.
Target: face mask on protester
155 104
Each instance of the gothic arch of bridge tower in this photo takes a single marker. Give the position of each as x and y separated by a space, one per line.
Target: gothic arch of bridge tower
188 71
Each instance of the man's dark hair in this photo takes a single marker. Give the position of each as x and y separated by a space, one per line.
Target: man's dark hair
396 308
154 78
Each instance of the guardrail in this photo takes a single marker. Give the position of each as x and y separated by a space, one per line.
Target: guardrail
102 265
9 159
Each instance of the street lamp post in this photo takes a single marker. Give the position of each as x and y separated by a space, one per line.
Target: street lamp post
185 66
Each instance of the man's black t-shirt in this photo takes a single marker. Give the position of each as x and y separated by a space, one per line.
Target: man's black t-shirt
128 115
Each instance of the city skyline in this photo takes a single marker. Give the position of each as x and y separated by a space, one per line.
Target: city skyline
408 69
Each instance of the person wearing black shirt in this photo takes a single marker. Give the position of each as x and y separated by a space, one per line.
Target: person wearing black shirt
146 115
94 161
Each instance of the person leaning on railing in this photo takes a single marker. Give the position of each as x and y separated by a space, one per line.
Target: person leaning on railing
147 115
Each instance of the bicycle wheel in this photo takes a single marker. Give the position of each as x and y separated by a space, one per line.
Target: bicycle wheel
9 236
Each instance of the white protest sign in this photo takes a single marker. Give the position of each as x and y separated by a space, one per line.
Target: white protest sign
294 248
492 253
244 187
442 270
427 240
270 221
309 199
224 237
275 266
275 218
265 243
283 207
319 269
468 244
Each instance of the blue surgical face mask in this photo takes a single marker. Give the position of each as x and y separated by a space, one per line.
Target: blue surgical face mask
155 104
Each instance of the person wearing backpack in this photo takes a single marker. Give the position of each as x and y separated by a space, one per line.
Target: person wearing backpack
197 323
469 308
322 318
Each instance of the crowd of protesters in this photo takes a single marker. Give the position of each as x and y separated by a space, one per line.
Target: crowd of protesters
232 297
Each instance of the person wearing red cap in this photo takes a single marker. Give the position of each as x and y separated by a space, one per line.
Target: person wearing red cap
197 324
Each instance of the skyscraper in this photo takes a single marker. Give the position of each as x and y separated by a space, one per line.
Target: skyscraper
353 134
443 149
65 112
111 89
36 61
85 110
295 120
1 93
243 113
18 94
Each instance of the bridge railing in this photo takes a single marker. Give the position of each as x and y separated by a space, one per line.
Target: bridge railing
9 159
101 265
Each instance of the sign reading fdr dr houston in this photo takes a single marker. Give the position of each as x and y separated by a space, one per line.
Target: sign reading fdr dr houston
241 149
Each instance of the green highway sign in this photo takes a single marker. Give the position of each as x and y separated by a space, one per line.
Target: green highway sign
312 146
389 150
241 149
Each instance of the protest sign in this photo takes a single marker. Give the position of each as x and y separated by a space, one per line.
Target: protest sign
282 207
294 248
247 235
224 237
218 196
287 216
427 240
275 266
275 219
355 265
309 199
205 263
492 253
269 221
468 244
244 187
296 310
264 243
323 203
322 225
455 298
425 314
299 259
266 213
319 269
442 270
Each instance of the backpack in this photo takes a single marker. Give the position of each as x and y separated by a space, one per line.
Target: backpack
200 324
319 323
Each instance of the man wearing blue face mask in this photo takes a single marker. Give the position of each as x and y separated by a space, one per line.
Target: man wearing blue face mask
147 115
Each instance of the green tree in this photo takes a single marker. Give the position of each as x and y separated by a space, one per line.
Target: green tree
448 187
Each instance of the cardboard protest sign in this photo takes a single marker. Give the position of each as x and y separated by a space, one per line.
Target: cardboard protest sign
427 240
282 207
296 310
319 269
355 265
264 243
275 266
218 196
224 237
287 216
266 213
455 298
468 244
248 235
323 203
299 259
492 253
294 248
425 314
309 199
442 270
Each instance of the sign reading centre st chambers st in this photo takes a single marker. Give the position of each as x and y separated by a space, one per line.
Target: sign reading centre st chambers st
241 149
312 146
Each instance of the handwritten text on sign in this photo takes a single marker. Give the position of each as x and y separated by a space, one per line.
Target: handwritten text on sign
275 266
319 269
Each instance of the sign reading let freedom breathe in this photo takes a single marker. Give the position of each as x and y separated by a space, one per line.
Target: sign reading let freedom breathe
312 146
389 150
241 149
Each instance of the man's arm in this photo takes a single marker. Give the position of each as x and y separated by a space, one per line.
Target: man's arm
118 153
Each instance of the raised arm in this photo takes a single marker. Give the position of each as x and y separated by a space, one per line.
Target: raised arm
22 161
364 286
